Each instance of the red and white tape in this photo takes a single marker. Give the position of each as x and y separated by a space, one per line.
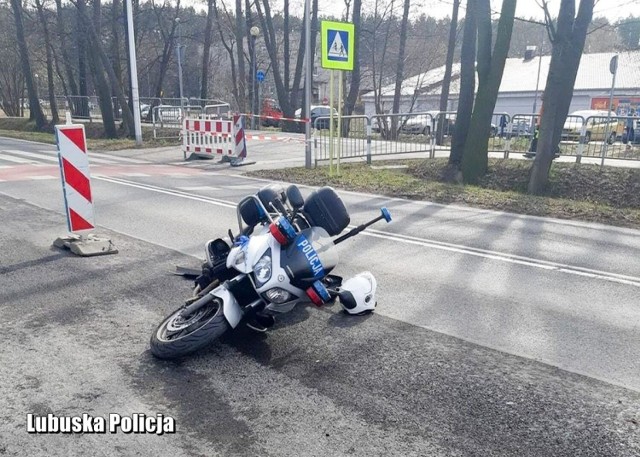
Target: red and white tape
76 180
291 119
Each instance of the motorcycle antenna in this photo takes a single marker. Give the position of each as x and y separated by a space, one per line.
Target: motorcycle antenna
386 215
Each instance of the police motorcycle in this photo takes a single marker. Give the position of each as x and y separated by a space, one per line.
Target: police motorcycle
283 256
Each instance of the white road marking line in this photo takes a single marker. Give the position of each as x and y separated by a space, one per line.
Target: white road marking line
135 175
33 155
100 157
460 249
213 201
178 175
117 158
6 166
10 158
197 188
242 187
504 257
42 178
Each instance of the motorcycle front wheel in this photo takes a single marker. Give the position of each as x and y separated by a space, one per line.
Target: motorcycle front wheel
178 335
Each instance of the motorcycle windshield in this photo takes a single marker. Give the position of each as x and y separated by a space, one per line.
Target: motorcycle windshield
310 257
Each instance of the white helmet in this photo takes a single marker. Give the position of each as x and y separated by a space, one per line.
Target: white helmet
358 294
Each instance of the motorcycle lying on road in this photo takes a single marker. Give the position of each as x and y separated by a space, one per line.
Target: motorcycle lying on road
283 256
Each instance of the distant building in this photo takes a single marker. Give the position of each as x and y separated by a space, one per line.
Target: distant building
518 93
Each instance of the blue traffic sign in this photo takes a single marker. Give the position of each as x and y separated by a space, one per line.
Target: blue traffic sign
260 75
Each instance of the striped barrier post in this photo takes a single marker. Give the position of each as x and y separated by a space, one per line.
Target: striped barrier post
240 151
76 189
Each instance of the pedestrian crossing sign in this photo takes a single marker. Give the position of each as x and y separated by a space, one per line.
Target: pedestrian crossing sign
337 42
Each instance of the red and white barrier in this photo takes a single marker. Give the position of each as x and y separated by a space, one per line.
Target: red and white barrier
240 141
207 138
76 180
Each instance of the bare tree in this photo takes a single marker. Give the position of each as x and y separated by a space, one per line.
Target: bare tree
400 67
49 60
567 36
34 102
242 75
467 89
206 52
354 77
490 70
446 81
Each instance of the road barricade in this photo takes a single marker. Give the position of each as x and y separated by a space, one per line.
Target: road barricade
78 199
209 138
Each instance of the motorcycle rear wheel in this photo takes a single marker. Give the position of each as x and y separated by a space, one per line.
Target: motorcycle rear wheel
177 336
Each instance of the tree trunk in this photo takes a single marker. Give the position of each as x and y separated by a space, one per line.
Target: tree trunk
400 68
115 44
100 82
49 59
467 88
568 40
242 75
106 64
168 47
285 46
229 48
34 102
270 42
475 159
446 81
206 52
83 103
354 81
74 104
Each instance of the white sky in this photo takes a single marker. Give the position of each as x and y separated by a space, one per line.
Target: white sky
612 9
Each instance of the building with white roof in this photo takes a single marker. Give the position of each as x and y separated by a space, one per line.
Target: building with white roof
522 86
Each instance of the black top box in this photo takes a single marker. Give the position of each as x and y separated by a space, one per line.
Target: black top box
324 208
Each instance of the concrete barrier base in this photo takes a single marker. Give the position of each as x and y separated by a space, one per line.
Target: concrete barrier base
86 246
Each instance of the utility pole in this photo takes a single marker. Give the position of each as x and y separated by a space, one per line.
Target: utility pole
133 70
254 31
179 51
307 83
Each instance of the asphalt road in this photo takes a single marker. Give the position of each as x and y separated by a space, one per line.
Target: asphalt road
495 334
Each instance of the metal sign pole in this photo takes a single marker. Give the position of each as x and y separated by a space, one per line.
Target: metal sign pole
339 135
331 122
613 68
133 69
307 83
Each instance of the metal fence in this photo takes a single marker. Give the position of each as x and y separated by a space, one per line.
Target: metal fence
431 133
88 107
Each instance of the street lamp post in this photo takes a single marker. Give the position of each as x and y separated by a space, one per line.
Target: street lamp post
254 31
178 48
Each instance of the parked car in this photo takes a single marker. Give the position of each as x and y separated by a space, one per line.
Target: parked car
144 110
419 124
422 124
599 124
521 128
317 112
170 114
378 123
